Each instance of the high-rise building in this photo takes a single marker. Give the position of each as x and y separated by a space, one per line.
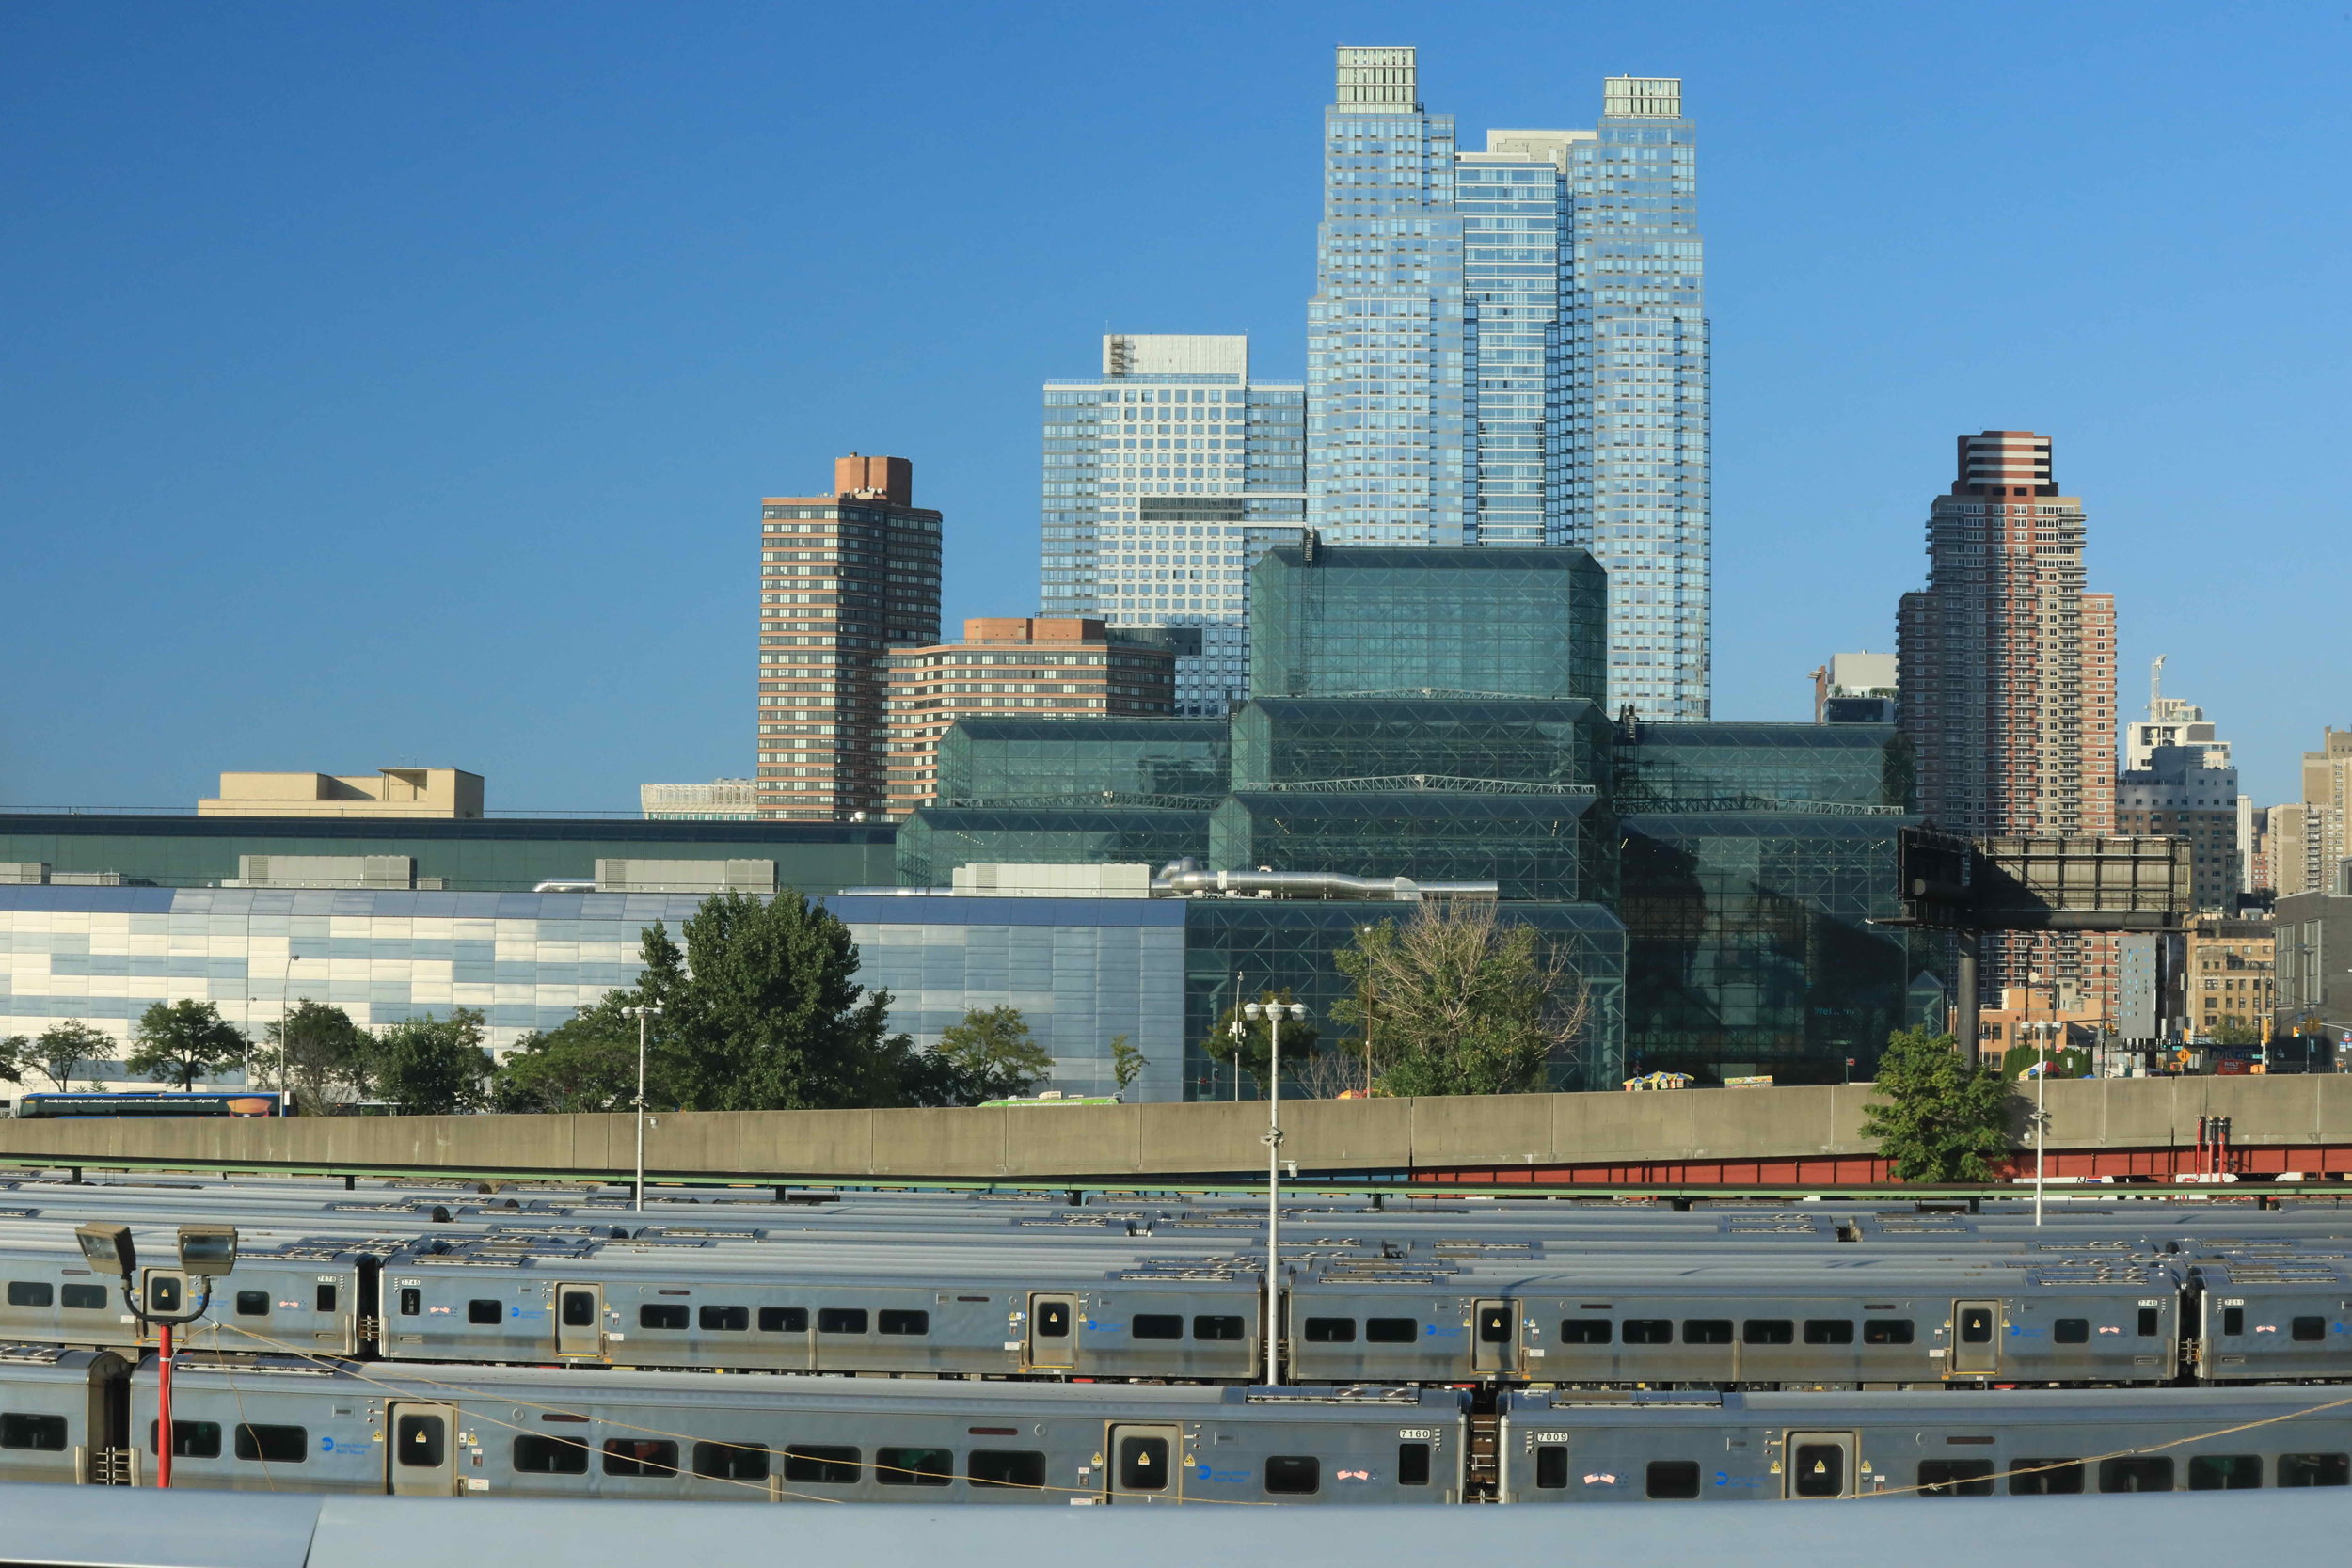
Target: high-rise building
1510 347
1856 689
844 579
1014 667
2007 676
2308 837
1163 477
2178 783
719 800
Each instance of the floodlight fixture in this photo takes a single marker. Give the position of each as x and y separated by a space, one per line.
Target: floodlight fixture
208 1251
108 1247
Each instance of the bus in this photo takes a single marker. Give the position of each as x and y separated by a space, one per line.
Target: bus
80 1103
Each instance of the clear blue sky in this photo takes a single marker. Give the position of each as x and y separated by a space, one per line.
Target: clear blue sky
397 383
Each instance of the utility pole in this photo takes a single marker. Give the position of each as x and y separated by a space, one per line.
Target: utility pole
641 1014
1273 1012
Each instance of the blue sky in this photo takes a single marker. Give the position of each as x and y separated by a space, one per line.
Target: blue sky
397 383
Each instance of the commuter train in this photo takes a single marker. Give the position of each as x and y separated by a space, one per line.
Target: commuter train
287 1424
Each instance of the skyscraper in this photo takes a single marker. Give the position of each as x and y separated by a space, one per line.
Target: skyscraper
2007 679
2308 837
1163 477
1509 346
844 579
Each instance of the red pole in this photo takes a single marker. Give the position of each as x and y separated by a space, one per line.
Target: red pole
163 1409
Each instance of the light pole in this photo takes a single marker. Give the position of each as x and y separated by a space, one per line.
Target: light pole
641 1014
2041 1116
1273 1013
206 1252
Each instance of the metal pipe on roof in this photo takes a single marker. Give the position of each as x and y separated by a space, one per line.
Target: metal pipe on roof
1185 878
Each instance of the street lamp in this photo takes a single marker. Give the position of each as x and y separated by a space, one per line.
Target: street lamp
1273 1013
206 1253
641 1014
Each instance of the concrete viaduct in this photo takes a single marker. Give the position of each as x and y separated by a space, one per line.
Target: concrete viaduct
1695 1137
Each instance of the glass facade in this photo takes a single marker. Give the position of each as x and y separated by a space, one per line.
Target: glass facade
1020 759
1750 947
1516 244
937 839
1548 845
1163 477
1247 946
1366 620
1291 741
1740 767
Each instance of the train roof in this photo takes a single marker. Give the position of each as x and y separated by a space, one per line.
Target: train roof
1990 1408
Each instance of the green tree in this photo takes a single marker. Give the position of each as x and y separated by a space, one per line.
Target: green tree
54 1053
181 1042
1465 1003
318 1052
990 1055
1301 1038
434 1066
770 1017
2237 1031
1127 1063
586 1064
1937 1118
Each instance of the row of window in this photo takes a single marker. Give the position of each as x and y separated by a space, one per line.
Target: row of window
1820 1472
1752 1331
92 1298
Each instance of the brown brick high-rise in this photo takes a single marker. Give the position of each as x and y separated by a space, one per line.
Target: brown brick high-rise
2008 676
844 579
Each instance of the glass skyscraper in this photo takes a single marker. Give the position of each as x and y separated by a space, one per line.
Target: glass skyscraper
1165 477
1509 347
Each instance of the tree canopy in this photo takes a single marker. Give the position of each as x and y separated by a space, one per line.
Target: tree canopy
1936 1117
181 1042
1301 1038
989 1055
433 1066
1457 1002
54 1053
319 1054
586 1064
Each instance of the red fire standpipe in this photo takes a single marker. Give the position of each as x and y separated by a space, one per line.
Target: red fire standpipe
163 1408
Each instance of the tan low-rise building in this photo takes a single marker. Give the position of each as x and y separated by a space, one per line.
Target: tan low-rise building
450 792
2230 967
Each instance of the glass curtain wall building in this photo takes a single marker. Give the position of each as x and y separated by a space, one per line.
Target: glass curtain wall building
1163 477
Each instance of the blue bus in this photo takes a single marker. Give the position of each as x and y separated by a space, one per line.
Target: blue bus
158 1102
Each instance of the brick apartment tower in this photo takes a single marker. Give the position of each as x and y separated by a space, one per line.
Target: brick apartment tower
2007 676
844 579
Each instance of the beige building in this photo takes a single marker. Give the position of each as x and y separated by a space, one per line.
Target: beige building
1014 667
2229 973
389 792
2308 837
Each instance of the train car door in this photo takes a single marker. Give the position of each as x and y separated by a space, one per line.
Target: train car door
1053 1330
1494 1336
1146 1465
579 1320
1817 1465
424 1457
1976 1335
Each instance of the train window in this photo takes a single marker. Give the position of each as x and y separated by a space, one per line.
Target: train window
30 1292
254 1304
2233 1319
273 1444
578 1309
1392 1331
784 1320
731 1460
1293 1474
482 1309
914 1466
1976 1325
1330 1331
1768 1331
2046 1478
324 1301
193 1439
841 1320
411 1302
895 1321
537 1455
2141 1472
1053 1320
640 1456
1143 1463
1886 1331
2071 1331
1584 1331
2302 1328
2316 1470
725 1319
1956 1478
2224 1472
419 1442
1412 1464
1829 1331
1209 1327
1551 1468
1707 1331
1821 1470
1494 1325
1159 1326
92 1298
1005 1468
1649 1331
44 1432
825 1463
2148 1323
662 1314
1672 1480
